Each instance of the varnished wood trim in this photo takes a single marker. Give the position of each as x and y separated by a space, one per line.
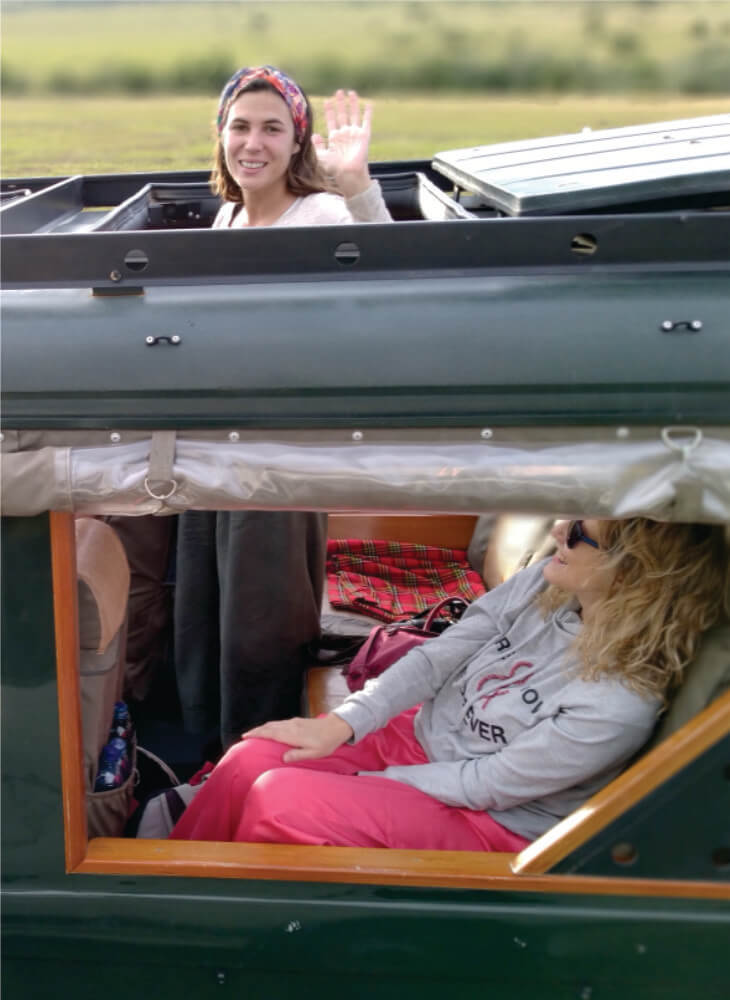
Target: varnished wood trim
66 619
650 771
289 861
378 866
325 688
451 531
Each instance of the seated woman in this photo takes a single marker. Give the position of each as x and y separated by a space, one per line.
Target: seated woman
529 705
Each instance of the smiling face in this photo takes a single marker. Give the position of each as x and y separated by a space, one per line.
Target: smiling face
258 142
582 570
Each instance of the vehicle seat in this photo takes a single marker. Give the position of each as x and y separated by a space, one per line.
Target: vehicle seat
503 543
103 589
705 679
497 547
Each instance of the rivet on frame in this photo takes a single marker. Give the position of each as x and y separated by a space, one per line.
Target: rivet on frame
115 437
234 436
357 435
623 432
486 433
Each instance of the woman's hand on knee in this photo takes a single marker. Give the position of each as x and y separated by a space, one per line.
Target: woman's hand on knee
308 738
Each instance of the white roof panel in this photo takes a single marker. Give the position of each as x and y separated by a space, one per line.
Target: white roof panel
589 170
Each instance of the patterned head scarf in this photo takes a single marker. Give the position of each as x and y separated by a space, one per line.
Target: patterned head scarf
283 84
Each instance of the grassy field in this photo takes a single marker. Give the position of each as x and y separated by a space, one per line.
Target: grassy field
193 46
89 135
64 65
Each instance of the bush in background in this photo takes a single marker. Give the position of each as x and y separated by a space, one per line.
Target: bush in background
706 71
650 47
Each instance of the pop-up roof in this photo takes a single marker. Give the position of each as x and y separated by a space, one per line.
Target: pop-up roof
595 170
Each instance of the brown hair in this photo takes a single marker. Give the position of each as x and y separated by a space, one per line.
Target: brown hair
671 583
304 175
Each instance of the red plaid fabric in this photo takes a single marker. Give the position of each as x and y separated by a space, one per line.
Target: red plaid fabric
391 581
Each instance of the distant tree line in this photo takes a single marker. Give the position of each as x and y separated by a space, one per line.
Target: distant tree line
519 68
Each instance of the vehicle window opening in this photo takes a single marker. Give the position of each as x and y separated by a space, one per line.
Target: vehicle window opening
85 854
584 244
410 195
136 260
347 254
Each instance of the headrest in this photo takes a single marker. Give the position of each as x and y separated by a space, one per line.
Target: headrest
103 574
705 679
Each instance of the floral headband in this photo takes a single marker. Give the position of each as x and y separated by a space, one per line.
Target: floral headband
283 84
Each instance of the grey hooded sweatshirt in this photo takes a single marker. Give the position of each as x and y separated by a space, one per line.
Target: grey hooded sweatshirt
506 723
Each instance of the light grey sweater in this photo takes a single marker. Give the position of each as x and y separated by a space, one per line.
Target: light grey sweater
321 209
505 721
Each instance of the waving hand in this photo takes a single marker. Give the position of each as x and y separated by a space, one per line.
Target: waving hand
344 156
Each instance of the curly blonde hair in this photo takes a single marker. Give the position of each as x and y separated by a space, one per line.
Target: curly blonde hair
304 175
671 583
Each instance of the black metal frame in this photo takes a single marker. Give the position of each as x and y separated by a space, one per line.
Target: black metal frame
36 255
681 241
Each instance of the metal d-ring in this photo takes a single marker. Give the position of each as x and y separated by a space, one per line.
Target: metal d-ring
160 496
684 448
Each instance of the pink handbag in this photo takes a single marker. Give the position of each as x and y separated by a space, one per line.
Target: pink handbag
388 643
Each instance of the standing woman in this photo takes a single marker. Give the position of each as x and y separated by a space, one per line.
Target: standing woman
272 171
249 583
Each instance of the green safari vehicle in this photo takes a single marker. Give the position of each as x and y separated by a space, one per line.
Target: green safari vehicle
544 330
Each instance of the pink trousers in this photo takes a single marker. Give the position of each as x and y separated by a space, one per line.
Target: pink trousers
253 796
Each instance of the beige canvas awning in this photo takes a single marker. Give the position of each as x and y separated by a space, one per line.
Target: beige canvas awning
680 473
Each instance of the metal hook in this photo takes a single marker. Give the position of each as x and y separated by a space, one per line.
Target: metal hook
151 341
681 325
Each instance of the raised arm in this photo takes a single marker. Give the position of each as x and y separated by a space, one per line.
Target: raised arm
344 154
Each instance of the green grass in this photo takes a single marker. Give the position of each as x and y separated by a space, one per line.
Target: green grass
192 46
43 137
164 33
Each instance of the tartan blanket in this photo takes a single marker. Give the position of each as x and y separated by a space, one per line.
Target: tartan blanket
392 581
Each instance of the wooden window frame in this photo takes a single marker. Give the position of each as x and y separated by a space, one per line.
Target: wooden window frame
379 866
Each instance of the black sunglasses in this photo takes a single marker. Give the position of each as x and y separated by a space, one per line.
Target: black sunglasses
576 534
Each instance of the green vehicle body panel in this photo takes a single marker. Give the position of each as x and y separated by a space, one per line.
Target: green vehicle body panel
280 940
660 843
499 348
